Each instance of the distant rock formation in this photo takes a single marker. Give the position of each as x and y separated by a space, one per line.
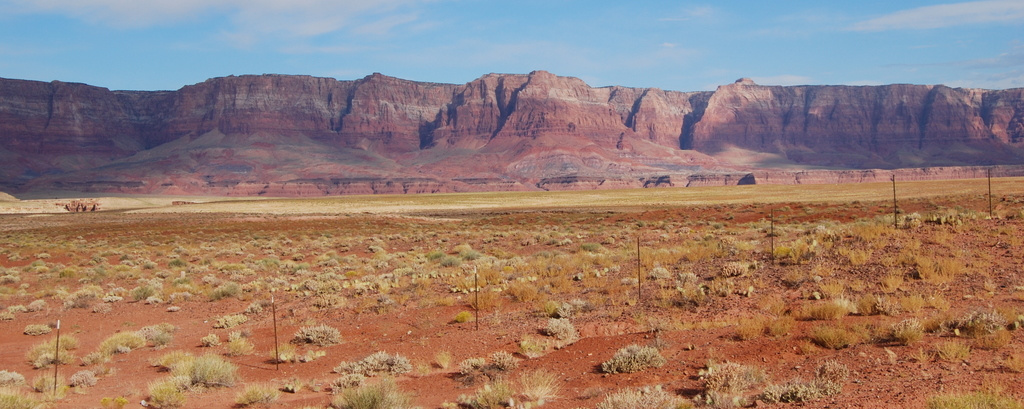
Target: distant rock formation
279 135
4 197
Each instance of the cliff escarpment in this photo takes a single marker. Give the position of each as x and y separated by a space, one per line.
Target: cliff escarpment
300 135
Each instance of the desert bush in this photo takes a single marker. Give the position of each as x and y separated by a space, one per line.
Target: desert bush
383 395
320 335
953 350
828 310
749 328
470 366
41 355
462 316
238 345
37 305
1014 362
633 358
228 289
121 343
731 378
166 394
648 397
11 379
780 326
978 323
533 346
157 335
504 361
828 381
907 332
257 394
44 383
834 337
12 399
490 396
211 371
210 340
561 329
378 363
443 359
980 400
178 362
995 340
229 321
539 386
37 329
143 292
82 378
346 381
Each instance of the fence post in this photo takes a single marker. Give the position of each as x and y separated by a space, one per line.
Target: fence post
56 359
895 218
277 351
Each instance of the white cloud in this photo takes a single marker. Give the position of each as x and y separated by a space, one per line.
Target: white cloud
785 79
947 15
250 18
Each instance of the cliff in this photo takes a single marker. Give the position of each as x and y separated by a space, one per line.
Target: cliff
299 135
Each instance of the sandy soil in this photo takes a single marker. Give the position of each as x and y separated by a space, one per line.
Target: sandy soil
420 324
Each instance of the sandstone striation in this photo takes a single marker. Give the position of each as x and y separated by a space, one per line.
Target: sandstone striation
280 135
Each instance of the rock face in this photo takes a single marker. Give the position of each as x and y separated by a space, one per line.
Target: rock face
298 135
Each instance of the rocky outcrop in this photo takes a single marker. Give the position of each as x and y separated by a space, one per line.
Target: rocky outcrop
299 135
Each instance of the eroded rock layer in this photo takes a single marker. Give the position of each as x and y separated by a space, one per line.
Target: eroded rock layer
297 135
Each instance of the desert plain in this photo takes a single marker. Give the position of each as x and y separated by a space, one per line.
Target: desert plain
735 296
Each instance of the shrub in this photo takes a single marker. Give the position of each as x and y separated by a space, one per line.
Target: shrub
561 329
257 395
41 355
37 305
633 358
211 370
490 396
166 393
346 381
979 323
239 346
157 335
82 378
462 316
643 398
210 340
37 329
539 386
121 343
9 379
143 292
178 362
378 363
750 328
11 399
470 366
829 310
320 335
828 381
383 395
731 378
504 361
116 403
833 337
953 350
228 289
973 400
229 321
907 332
533 346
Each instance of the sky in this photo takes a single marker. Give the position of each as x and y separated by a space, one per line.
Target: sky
673 45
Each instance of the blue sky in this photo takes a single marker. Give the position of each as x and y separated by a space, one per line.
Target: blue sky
676 45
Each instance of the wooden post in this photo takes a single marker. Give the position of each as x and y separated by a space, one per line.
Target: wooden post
277 351
771 234
476 288
990 215
639 271
56 359
895 218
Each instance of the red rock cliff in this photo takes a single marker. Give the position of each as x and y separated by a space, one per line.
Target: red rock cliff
275 134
